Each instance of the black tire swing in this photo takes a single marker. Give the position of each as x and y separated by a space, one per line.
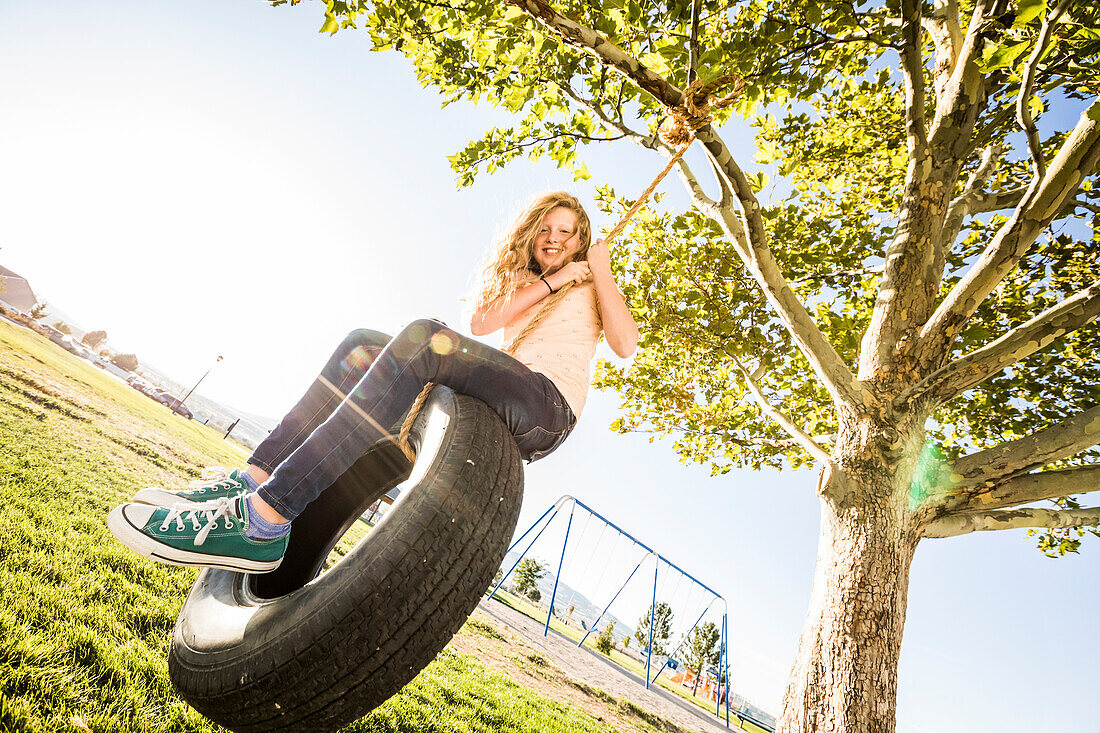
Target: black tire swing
293 651
296 650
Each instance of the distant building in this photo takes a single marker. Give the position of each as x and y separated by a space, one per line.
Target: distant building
17 291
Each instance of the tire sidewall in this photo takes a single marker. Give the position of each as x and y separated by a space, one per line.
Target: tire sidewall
227 642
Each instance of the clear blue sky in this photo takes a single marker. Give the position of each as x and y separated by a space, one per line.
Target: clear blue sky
204 178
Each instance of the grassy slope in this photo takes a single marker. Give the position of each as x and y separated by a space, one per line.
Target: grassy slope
85 624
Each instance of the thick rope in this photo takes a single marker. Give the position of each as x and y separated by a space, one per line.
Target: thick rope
678 131
697 110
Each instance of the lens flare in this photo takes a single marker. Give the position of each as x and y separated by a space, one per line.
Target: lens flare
926 476
444 343
359 359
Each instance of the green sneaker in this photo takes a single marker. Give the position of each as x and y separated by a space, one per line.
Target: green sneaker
215 483
211 536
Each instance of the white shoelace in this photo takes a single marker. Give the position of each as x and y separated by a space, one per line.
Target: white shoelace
211 512
210 477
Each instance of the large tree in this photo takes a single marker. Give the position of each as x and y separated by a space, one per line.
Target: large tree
703 651
94 338
661 631
527 576
129 362
911 307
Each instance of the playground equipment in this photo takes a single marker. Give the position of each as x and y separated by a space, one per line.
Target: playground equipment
295 650
706 597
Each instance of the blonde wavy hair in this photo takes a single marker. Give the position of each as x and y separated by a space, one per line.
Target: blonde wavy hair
511 262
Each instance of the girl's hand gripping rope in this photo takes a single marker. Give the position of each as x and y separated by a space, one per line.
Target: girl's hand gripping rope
599 258
572 272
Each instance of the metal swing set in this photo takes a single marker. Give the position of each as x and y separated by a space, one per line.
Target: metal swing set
647 553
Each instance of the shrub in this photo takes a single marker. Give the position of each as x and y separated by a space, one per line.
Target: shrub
605 642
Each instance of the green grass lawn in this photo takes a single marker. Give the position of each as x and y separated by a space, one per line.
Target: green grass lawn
85 623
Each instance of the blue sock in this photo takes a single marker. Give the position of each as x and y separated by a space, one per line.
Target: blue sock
259 528
248 481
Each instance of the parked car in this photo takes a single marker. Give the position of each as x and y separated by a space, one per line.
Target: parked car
144 387
63 341
174 405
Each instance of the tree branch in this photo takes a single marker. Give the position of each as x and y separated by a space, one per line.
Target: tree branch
985 202
962 94
651 142
801 437
1094 208
750 238
943 26
989 467
725 203
912 65
916 256
963 206
726 436
531 141
852 272
824 39
646 141
1019 343
1025 489
999 118
1023 111
683 170
959 524
589 41
693 42
1075 160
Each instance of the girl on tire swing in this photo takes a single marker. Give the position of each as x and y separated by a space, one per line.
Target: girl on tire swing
240 520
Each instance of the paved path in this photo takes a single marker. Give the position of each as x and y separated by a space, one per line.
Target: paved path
585 665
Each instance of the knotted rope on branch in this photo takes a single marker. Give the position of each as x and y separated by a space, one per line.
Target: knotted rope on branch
677 131
698 108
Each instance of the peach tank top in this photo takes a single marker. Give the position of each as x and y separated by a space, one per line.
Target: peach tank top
562 346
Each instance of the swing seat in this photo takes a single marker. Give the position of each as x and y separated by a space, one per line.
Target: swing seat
300 650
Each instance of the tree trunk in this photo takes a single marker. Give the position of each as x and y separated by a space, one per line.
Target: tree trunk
845 674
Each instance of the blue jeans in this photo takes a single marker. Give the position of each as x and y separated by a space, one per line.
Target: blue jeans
371 380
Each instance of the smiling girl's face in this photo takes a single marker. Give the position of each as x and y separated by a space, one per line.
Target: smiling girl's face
557 239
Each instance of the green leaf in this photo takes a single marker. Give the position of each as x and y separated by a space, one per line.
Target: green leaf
656 62
758 180
1035 106
331 25
840 153
1028 11
996 56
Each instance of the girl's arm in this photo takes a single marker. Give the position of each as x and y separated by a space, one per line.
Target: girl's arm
502 310
618 323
